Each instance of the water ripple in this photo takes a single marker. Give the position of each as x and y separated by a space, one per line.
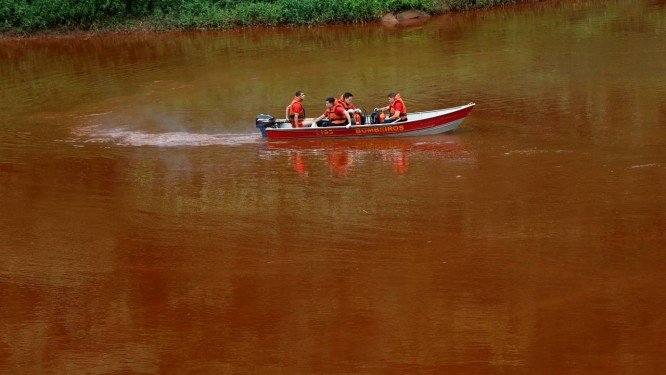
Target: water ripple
123 137
641 166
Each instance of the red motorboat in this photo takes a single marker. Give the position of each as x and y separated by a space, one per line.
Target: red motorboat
419 123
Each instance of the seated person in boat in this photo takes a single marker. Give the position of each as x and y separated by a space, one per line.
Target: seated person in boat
295 112
397 109
354 112
334 115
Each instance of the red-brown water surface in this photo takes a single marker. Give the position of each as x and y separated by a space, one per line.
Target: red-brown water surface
147 228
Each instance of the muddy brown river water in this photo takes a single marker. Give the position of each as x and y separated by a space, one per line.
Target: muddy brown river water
146 227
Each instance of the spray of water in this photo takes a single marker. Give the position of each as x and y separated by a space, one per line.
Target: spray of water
124 137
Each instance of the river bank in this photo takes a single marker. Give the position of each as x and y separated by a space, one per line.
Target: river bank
23 18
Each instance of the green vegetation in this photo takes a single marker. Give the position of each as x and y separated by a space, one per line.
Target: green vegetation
26 16
471 4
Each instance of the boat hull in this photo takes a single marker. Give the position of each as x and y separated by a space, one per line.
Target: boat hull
421 123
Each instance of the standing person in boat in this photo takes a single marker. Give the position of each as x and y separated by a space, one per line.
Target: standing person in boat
295 112
397 109
354 112
334 113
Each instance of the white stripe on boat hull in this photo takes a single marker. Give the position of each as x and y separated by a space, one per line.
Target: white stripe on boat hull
451 126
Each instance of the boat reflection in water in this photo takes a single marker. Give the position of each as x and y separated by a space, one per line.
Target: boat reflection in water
344 155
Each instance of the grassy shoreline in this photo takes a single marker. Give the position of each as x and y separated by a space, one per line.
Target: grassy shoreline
19 18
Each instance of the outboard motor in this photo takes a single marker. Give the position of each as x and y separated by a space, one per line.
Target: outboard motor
263 122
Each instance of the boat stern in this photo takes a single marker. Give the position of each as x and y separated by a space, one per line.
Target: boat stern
264 121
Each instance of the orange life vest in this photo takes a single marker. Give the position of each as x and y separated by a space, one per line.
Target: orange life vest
301 113
342 101
332 116
403 113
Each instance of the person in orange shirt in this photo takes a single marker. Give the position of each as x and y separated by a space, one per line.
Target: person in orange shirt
355 113
295 112
334 113
397 109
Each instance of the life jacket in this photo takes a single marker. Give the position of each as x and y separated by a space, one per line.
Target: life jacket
356 116
301 113
332 116
403 113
